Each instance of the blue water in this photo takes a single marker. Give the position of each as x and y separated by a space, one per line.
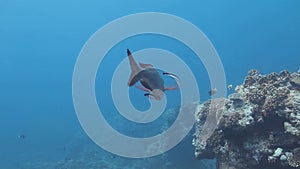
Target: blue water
41 40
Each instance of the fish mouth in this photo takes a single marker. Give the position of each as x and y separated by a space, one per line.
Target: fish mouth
157 94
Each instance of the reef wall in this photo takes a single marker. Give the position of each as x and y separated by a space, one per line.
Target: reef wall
258 126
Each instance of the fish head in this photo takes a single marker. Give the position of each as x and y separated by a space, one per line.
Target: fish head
157 94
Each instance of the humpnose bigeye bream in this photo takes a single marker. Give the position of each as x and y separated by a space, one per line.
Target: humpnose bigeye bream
149 77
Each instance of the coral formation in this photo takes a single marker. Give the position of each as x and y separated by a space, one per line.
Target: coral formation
258 125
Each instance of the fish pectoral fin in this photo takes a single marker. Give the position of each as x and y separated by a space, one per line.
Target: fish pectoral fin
171 88
149 95
145 66
175 77
142 88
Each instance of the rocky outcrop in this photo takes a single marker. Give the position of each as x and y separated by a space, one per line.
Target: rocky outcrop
258 126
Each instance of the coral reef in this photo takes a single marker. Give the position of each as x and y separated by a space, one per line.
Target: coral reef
258 126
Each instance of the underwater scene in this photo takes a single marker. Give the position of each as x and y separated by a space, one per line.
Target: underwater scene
150 84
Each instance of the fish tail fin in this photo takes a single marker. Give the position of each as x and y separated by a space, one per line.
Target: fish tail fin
135 69
128 52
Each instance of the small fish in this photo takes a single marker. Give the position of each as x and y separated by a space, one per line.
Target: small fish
212 91
229 87
22 136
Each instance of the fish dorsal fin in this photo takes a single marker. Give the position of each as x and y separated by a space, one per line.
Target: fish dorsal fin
145 66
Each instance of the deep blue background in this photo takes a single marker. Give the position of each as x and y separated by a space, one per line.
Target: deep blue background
40 41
